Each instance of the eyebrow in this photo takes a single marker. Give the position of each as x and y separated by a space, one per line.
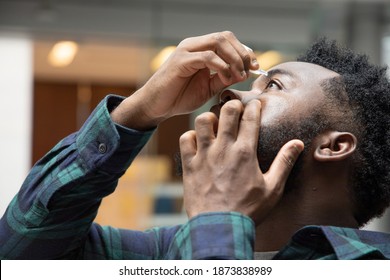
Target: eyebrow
277 71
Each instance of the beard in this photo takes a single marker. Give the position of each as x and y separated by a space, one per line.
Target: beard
272 138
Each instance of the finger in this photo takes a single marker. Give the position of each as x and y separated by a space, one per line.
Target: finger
242 52
221 44
254 64
205 130
225 50
247 56
283 163
188 145
229 121
250 124
203 42
195 61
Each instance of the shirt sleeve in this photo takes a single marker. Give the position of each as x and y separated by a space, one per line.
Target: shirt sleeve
51 216
215 235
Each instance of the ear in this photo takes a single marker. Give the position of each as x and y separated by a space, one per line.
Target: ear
334 146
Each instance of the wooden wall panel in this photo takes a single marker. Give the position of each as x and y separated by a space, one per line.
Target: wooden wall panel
101 91
54 115
61 108
168 136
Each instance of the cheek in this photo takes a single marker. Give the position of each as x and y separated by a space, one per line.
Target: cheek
275 110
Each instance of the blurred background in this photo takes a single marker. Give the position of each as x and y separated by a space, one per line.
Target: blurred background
58 59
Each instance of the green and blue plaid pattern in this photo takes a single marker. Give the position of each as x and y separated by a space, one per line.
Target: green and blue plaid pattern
335 243
52 215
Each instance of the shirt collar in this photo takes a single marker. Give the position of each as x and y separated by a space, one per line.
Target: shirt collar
346 243
349 243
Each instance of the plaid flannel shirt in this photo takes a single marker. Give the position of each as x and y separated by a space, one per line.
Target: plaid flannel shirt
52 215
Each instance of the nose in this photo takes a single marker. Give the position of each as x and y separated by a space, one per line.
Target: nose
243 96
229 94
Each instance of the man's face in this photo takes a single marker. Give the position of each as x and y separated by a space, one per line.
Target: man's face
292 107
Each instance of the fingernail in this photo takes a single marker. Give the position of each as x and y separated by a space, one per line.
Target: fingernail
243 74
254 62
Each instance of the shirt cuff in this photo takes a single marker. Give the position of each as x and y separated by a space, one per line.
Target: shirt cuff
217 235
106 145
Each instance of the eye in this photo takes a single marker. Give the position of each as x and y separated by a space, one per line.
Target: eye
273 85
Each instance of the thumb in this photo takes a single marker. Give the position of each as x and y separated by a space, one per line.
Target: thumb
218 82
283 163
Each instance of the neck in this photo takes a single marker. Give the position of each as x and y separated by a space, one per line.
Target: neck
311 204
276 230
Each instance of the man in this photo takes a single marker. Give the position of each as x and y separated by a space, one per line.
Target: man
236 163
338 104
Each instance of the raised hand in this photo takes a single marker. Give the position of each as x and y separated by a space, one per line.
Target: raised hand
184 83
220 164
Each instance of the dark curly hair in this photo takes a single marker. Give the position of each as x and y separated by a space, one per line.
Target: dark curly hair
368 90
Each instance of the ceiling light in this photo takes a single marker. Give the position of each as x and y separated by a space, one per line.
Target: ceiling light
161 57
62 53
269 59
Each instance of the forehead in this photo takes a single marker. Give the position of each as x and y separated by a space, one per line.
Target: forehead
303 71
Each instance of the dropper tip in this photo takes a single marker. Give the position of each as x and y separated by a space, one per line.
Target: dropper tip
259 72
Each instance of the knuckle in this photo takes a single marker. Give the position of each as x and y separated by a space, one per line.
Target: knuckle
185 137
208 55
228 34
204 141
204 119
232 107
245 152
185 42
250 117
219 37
